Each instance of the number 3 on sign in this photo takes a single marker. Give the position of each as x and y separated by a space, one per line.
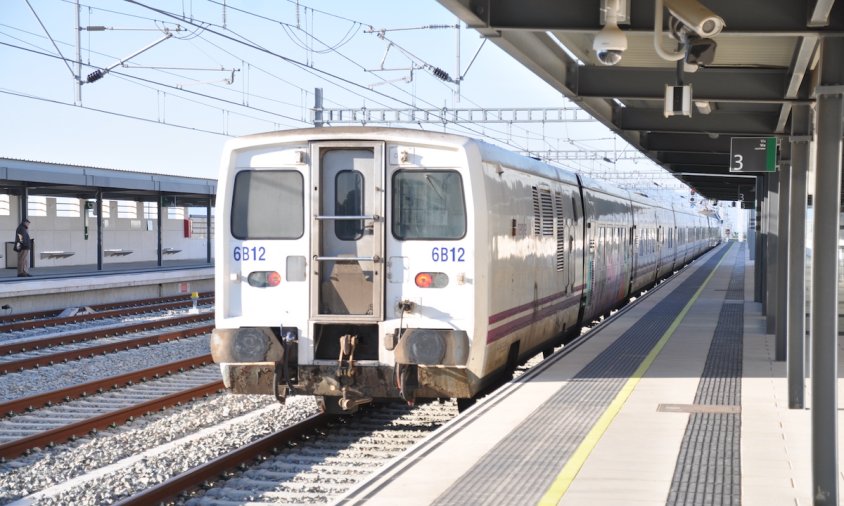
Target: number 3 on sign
737 163
439 254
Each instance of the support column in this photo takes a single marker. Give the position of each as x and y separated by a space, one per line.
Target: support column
759 257
781 274
830 110
751 233
771 260
318 111
208 231
99 229
796 332
159 235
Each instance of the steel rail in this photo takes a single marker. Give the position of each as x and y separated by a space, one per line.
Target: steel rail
37 344
210 470
76 391
91 351
52 322
35 315
68 432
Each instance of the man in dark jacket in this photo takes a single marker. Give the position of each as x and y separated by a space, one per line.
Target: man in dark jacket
22 245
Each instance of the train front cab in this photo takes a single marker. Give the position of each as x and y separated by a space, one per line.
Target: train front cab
319 294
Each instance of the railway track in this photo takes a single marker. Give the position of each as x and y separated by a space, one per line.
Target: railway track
22 355
311 462
181 300
55 417
57 325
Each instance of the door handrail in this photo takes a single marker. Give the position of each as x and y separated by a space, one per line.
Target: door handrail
375 258
373 217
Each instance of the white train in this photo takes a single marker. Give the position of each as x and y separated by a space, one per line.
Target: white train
361 264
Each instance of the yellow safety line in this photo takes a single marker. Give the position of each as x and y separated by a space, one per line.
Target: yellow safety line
575 463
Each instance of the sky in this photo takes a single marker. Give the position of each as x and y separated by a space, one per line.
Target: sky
246 67
203 71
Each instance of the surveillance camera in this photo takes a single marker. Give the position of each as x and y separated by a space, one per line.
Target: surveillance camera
696 17
610 44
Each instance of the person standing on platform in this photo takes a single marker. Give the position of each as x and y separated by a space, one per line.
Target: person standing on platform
22 245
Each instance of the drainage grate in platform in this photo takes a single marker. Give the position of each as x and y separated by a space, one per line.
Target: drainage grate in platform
698 408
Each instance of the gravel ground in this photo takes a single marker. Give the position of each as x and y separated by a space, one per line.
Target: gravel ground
33 381
230 420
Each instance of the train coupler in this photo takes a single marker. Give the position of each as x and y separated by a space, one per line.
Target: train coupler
348 344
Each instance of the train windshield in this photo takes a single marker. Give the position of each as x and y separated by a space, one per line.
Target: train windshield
268 204
428 205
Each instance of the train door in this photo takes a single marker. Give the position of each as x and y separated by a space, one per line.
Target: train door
634 248
347 234
563 243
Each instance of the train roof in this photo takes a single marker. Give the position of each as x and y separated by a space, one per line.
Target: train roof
488 152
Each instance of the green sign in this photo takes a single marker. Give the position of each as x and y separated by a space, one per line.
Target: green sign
753 154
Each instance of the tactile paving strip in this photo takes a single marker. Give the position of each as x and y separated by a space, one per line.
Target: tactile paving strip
708 470
521 468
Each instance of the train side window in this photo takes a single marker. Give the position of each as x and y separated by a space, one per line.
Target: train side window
348 201
268 204
428 205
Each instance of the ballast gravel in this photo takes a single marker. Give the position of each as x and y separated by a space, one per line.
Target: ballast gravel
33 381
227 421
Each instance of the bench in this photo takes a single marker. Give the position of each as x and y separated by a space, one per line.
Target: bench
170 251
56 254
117 252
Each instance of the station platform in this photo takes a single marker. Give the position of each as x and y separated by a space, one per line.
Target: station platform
676 400
81 285
55 272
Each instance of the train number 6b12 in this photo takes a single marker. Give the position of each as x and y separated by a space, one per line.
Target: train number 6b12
448 254
245 253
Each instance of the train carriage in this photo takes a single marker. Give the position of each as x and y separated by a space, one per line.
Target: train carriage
358 264
644 246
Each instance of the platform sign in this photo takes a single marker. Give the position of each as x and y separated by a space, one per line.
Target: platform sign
753 154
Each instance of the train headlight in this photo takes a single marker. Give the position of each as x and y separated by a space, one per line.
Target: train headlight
262 279
431 280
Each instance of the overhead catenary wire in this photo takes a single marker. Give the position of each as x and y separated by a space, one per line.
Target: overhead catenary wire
313 70
157 68
105 111
53 41
191 92
201 30
199 27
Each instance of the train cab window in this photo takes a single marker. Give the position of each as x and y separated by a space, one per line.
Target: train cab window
268 204
348 201
428 205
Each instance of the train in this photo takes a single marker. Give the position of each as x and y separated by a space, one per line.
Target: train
366 264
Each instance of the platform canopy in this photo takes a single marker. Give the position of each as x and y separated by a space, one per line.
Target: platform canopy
59 180
762 65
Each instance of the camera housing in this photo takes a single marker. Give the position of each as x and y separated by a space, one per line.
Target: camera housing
696 17
610 43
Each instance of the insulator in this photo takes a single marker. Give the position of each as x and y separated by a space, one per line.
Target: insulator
95 76
441 74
